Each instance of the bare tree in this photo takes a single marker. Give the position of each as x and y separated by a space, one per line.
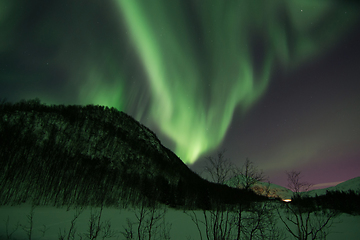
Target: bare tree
217 221
30 219
219 168
9 233
257 221
303 222
128 230
240 221
151 224
95 224
195 220
295 184
96 227
260 220
248 175
72 231
222 222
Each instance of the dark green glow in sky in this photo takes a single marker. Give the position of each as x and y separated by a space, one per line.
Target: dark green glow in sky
204 60
191 70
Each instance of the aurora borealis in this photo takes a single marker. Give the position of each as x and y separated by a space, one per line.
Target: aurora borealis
275 81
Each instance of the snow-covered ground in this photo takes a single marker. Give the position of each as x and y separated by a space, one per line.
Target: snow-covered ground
59 219
56 220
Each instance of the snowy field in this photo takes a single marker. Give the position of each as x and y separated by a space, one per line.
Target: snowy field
56 220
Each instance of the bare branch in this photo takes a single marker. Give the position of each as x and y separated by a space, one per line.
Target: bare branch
219 168
295 184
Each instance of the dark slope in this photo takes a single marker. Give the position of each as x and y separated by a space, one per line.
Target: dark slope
91 155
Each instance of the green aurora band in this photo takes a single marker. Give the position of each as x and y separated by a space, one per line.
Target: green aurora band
181 67
201 59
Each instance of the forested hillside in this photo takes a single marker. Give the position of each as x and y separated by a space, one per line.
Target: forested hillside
94 155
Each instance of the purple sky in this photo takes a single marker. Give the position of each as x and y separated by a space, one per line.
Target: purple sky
307 119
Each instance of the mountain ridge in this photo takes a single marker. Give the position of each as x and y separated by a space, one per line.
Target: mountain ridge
276 191
352 184
91 155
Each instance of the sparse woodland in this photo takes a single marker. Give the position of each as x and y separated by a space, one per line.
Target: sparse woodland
90 156
97 157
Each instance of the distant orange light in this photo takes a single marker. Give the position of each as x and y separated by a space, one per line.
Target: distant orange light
286 200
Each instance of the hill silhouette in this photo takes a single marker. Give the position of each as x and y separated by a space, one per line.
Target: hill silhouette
94 155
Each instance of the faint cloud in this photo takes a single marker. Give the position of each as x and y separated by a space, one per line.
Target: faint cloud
325 185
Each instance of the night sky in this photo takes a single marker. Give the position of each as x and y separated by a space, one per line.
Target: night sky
275 81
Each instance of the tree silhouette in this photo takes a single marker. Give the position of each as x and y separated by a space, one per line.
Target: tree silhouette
295 184
246 176
304 220
219 168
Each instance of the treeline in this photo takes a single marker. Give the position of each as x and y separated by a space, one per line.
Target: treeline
340 201
94 155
